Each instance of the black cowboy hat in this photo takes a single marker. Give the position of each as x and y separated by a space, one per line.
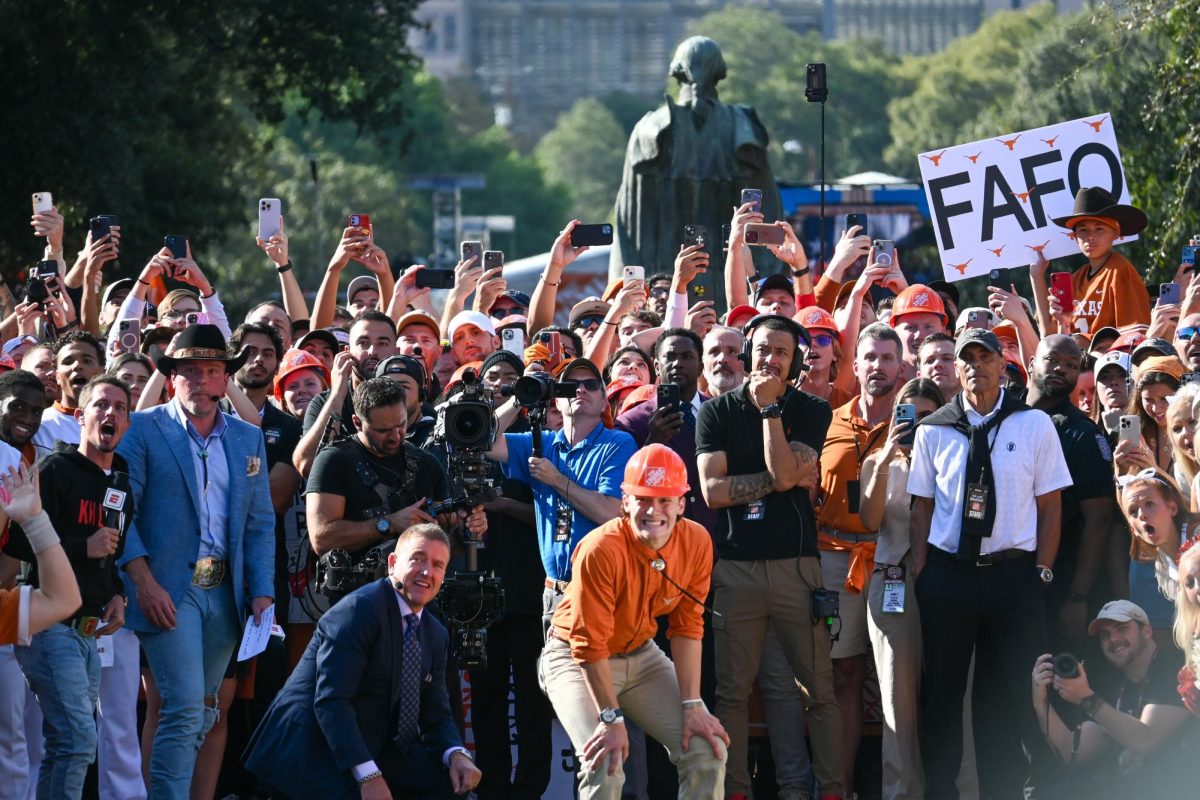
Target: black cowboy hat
1092 201
201 343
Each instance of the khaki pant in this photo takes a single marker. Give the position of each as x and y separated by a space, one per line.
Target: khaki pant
748 595
648 694
896 642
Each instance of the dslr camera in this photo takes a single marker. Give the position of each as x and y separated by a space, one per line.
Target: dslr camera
338 573
537 389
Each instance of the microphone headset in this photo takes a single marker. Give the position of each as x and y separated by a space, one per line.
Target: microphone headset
660 566
797 330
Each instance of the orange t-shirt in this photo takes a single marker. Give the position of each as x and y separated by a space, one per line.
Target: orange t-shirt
610 605
847 444
1116 296
11 601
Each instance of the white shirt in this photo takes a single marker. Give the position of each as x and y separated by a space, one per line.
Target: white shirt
57 426
9 457
1027 462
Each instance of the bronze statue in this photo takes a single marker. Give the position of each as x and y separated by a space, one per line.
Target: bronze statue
687 164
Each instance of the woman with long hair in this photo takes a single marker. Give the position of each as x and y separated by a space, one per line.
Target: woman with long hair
1160 521
1156 379
1181 430
1187 622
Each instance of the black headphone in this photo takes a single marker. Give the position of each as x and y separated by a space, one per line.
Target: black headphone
801 333
416 360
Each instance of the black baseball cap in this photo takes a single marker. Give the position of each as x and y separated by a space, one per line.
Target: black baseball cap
978 336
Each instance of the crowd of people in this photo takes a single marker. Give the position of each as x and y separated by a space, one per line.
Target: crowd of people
992 509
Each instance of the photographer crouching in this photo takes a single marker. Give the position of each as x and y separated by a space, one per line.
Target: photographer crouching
366 489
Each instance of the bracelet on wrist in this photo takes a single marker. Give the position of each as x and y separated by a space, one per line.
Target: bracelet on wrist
697 703
284 267
370 776
543 279
142 282
606 322
800 273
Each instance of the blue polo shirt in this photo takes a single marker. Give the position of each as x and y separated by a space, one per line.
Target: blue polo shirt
597 463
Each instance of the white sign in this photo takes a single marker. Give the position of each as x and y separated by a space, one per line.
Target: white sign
992 201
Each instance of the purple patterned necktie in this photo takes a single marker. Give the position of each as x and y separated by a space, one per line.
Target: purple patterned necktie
407 731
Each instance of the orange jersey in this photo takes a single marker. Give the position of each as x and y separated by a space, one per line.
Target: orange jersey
1116 296
10 614
615 595
847 444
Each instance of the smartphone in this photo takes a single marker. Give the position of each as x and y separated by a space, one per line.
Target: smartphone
857 219
1189 254
753 196
42 202
1129 428
632 273
1060 287
885 252
761 234
102 224
129 335
195 318
493 259
668 396
815 88
1001 279
725 230
177 244
270 215
906 412
553 342
591 235
1189 377
471 250
361 221
978 319
695 235
513 340
1169 294
435 278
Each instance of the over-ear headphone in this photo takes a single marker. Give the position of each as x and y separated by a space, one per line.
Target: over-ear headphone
801 333
410 361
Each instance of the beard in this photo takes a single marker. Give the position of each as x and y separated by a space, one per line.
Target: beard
722 382
1052 391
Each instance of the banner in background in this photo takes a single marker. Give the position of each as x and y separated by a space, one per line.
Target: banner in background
992 201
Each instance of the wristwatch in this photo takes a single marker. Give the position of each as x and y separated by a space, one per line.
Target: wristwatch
611 716
1046 574
1090 704
773 411
383 526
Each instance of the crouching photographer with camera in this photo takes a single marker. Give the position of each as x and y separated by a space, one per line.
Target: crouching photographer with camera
364 490
1141 721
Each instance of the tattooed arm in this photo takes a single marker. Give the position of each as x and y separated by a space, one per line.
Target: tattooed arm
722 490
809 470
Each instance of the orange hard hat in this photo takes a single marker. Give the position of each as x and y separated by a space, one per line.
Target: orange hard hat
917 299
294 361
815 318
655 471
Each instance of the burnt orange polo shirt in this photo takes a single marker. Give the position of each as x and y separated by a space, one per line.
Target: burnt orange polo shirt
847 444
615 595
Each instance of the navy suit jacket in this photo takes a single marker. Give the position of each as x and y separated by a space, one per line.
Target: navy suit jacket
340 707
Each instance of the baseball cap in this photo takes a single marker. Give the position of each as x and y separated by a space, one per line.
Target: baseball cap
402 365
1127 341
1107 332
518 297
776 281
1152 346
6 363
319 335
342 337
418 318
512 321
124 284
587 307
978 336
15 342
946 288
512 359
740 315
965 314
1013 364
1005 330
1171 365
1111 358
360 283
1118 611
576 363
476 318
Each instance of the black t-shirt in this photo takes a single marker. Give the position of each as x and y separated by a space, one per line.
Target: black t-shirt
786 525
1089 460
281 433
317 403
346 469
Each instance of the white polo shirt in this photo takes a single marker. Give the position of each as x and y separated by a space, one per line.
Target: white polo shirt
1027 462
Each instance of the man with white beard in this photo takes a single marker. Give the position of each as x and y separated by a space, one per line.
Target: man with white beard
722 368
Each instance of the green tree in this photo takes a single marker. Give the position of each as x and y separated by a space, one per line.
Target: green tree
584 152
148 110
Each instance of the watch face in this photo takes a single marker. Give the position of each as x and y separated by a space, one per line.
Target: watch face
382 525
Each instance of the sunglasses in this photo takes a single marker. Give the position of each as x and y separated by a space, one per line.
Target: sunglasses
591 384
823 340
1186 333
587 322
501 313
659 291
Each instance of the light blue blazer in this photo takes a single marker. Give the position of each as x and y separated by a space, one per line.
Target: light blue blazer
166 526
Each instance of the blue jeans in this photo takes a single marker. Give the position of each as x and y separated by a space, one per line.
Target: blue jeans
63 669
188 664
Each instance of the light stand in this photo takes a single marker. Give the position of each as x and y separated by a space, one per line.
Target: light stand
816 91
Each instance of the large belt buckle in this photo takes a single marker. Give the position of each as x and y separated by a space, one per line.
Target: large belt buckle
86 626
209 572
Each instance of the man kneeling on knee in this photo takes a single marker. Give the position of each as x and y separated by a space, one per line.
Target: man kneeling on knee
601 664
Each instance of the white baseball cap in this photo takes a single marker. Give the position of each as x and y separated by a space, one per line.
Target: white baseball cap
476 318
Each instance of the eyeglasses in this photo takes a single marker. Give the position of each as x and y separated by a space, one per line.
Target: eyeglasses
659 291
823 340
1186 333
588 322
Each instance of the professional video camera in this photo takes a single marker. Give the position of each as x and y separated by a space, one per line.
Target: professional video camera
338 573
538 389
470 600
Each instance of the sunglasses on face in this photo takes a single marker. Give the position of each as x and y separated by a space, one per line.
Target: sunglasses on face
659 291
501 313
823 340
591 384
1186 333
588 322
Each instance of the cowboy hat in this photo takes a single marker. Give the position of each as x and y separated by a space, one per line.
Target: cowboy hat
1092 201
201 343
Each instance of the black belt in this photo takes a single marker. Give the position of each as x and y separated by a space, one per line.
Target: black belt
558 586
984 560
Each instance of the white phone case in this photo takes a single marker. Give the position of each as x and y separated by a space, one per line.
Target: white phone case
42 202
269 212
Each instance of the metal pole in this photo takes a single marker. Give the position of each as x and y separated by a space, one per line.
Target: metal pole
822 227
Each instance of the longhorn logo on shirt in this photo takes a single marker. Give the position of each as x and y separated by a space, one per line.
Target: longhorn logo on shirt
656 476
